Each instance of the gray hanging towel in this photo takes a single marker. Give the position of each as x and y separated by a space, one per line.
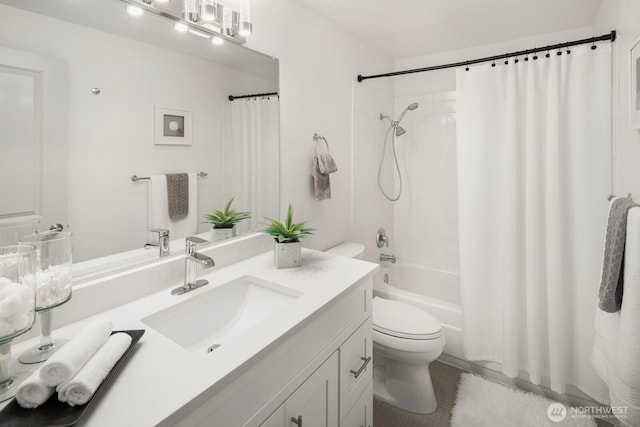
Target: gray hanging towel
178 195
612 284
326 164
321 183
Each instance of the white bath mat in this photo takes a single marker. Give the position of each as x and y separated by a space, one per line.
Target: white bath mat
484 403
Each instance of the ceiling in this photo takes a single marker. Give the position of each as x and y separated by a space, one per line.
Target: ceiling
406 28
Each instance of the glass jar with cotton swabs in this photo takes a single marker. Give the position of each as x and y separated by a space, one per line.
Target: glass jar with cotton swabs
52 280
17 308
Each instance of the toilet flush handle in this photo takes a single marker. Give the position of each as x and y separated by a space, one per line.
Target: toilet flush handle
366 361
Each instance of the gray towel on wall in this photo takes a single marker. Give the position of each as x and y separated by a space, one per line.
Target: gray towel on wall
326 164
321 182
178 195
612 284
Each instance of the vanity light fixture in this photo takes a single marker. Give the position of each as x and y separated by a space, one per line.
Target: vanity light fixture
217 40
181 27
229 20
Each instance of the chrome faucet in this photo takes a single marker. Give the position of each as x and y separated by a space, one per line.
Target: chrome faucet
192 258
388 258
163 241
381 238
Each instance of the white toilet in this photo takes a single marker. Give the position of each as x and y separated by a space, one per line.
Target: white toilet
405 341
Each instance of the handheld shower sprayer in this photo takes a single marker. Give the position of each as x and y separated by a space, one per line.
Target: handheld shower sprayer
411 107
397 131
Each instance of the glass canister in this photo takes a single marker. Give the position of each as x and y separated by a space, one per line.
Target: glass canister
17 307
53 280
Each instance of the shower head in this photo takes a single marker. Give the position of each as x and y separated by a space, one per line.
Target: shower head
411 107
400 131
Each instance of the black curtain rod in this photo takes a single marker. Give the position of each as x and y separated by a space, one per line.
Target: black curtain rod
255 95
611 36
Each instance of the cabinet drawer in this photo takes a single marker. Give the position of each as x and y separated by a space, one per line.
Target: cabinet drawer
361 414
356 366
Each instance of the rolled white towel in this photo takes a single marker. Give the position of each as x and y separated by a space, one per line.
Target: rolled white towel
81 388
67 361
33 392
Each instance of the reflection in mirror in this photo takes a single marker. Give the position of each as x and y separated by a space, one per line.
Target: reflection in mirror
90 96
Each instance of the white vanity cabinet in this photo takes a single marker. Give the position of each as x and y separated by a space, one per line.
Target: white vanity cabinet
312 374
315 403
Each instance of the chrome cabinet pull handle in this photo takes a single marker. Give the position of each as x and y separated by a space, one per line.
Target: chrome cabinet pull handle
297 421
357 373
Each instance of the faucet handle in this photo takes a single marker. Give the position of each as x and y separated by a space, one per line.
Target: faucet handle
195 239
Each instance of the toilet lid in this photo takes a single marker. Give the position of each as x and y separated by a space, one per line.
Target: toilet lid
403 320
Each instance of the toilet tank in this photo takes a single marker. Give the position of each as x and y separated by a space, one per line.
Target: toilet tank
348 249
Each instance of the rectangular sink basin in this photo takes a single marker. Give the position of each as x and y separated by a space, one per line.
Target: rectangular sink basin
206 321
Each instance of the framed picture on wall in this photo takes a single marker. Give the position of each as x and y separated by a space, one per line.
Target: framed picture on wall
634 84
172 126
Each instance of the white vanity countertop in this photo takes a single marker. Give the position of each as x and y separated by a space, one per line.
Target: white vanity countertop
160 376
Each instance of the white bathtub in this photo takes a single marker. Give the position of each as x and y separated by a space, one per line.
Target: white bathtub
434 291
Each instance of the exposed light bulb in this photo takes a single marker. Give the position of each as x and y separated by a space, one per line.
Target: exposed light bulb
191 11
134 10
207 10
230 20
180 27
246 27
217 40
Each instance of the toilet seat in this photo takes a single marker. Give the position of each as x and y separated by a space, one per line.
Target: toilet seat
402 320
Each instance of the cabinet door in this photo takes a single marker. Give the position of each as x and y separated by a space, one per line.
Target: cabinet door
315 402
361 414
356 366
277 419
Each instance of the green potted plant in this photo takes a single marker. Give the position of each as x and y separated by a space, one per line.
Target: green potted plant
288 250
224 221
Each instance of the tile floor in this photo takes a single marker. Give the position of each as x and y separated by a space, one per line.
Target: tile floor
445 380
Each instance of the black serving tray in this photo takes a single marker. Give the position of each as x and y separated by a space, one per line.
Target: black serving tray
54 413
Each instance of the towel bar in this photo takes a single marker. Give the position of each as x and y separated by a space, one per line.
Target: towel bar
136 178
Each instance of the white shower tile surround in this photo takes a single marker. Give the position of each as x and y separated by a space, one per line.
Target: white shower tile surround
425 217
370 210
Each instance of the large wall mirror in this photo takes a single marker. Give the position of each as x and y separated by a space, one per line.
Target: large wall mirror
90 96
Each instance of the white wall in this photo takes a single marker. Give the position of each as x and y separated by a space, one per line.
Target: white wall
622 16
426 217
111 135
318 63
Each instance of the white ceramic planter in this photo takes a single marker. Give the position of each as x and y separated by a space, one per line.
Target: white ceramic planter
287 255
218 234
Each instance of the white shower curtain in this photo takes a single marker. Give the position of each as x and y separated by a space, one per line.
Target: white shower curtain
533 176
253 154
